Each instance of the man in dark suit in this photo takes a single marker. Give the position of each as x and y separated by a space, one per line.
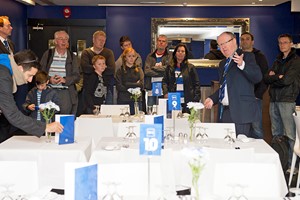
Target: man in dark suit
238 74
5 32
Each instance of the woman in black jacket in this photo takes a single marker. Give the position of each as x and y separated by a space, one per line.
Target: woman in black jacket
181 76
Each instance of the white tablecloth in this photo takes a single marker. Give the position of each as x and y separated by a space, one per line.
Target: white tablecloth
256 158
50 157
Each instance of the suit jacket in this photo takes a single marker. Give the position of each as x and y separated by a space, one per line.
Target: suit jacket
10 110
4 50
243 105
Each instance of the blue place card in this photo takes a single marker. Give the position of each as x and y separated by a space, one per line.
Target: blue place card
86 182
67 136
150 139
174 101
156 89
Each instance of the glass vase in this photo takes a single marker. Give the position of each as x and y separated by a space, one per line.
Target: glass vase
47 133
136 108
192 132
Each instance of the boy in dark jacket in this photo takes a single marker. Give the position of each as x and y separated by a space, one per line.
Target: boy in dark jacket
38 95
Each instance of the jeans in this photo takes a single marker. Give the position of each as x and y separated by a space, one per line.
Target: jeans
256 129
109 95
281 114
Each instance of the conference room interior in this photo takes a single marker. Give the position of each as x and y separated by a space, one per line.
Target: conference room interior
33 27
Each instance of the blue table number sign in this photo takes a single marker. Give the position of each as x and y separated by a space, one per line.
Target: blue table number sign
150 139
174 101
156 89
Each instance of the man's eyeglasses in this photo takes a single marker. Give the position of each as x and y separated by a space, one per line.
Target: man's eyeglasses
283 43
63 39
222 44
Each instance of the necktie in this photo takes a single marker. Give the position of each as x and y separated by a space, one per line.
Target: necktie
6 44
222 87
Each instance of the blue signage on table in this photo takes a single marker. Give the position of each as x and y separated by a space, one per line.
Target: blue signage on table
86 182
150 139
67 136
156 89
160 120
174 101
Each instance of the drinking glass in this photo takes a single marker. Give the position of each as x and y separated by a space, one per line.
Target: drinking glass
154 110
237 192
96 110
149 110
122 112
127 113
227 137
7 192
130 134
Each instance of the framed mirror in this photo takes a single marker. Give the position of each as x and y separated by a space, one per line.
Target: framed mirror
195 32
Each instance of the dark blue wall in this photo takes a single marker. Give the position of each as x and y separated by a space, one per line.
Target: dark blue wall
17 14
266 23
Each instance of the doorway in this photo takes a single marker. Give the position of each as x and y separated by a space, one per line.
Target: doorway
41 33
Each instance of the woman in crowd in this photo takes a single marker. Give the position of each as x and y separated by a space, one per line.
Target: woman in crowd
181 76
128 76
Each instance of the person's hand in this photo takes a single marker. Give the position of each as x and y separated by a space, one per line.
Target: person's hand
280 76
61 80
54 79
31 107
208 103
158 64
238 58
271 73
54 127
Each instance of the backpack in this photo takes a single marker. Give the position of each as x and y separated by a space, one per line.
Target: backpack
280 143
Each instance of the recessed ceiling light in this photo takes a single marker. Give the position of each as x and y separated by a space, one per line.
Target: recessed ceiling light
253 3
260 0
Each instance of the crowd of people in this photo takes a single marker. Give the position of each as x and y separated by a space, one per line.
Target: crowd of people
244 76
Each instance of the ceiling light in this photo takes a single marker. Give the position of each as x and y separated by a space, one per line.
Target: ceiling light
184 4
260 0
152 2
28 2
253 3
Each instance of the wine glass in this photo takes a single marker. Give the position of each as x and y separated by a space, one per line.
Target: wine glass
127 113
227 137
122 115
154 110
96 110
149 110
130 134
115 194
6 193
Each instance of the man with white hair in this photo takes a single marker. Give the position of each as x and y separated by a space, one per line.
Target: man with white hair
62 67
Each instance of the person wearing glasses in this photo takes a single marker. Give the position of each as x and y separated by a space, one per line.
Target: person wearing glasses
28 65
62 67
284 81
238 73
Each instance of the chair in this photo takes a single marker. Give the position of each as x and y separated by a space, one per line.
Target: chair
94 127
112 109
296 151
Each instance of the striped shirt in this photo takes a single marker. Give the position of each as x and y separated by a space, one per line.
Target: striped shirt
58 65
38 100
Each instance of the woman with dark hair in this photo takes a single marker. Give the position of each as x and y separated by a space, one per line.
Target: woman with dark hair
181 76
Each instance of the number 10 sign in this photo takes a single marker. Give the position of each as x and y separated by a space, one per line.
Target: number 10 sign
150 139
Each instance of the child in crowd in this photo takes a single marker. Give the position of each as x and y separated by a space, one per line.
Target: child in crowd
95 90
130 75
38 95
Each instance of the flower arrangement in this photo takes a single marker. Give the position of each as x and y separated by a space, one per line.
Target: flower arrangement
135 93
197 162
193 117
48 110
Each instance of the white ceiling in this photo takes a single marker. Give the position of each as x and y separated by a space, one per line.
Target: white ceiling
159 2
